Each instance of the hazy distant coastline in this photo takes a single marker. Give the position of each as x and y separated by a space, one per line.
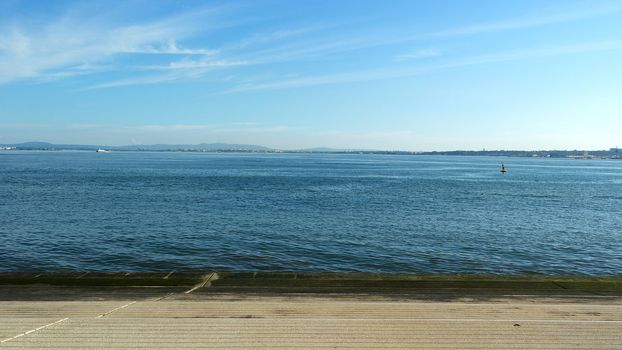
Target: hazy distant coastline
612 153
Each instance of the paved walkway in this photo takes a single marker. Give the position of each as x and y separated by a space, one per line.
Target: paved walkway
307 311
37 317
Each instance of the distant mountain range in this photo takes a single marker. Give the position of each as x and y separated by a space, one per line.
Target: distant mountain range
158 147
205 147
613 153
334 150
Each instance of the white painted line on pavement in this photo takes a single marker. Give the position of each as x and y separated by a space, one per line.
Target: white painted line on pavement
202 284
119 308
33 330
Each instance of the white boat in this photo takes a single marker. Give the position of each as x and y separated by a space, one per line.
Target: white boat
99 150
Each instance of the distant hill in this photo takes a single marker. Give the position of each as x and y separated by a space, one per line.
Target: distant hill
158 147
612 153
333 150
46 145
199 147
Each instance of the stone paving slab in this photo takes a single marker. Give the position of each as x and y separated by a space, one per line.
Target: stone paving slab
57 309
158 333
309 307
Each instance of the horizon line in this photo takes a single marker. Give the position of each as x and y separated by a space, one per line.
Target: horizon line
268 148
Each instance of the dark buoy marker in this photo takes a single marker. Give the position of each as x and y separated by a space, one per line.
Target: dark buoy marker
503 169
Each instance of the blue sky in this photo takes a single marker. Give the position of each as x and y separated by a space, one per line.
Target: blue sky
409 75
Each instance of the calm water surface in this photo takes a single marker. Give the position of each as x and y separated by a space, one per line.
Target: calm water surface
418 214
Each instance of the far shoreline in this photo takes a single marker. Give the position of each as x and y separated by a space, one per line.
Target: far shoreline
219 148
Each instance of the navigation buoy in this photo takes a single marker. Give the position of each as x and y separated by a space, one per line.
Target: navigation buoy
503 169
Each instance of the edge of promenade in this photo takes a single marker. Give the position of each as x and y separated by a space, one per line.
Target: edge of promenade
321 282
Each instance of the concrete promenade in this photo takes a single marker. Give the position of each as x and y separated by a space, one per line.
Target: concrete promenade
307 311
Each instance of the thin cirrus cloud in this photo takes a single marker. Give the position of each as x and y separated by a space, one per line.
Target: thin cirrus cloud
73 46
57 47
168 128
171 48
292 48
247 127
528 22
320 48
423 53
250 127
200 64
381 73
175 71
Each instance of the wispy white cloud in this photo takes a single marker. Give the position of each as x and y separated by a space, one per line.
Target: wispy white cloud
311 49
79 45
383 73
322 47
185 69
140 80
257 129
201 64
22 125
84 126
245 123
171 48
326 79
533 53
55 48
527 22
114 134
73 71
423 53
276 35
232 128
366 134
167 128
